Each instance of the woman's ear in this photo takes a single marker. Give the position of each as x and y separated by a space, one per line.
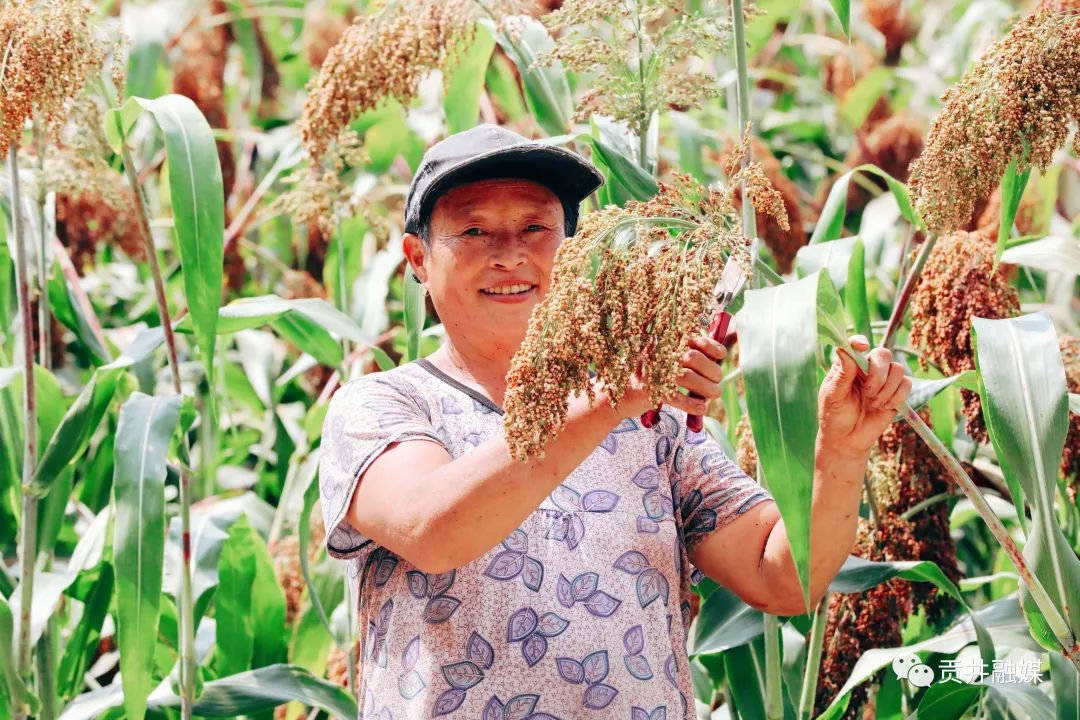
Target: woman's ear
415 253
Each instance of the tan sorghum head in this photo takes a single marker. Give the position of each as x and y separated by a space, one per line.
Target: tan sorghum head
957 283
1018 101
625 297
50 53
894 23
745 449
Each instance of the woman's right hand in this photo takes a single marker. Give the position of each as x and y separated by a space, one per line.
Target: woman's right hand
700 373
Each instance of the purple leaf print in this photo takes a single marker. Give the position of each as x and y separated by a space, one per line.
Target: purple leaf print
418 584
651 584
638 666
570 670
647 525
560 524
713 461
385 569
609 443
380 653
472 438
506 565
534 648
627 425
669 670
566 499
532 574
599 501
663 449
411 654
439 609
637 713
448 702
521 625
493 710
596 666
677 462
575 532
564 591
659 713
598 697
668 424
450 406
440 583
647 478
520 707
601 604
463 675
481 407
394 417
584 585
480 651
654 504
634 640
631 562
518 541
551 625
410 684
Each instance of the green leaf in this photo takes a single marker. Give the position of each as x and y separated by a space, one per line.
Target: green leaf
842 8
118 122
547 91
198 204
1054 253
922 390
463 90
613 155
142 440
382 359
502 85
1012 190
74 432
265 688
82 645
724 622
1074 403
311 494
1025 404
830 224
16 691
778 339
863 95
236 570
947 701
744 669
844 259
415 313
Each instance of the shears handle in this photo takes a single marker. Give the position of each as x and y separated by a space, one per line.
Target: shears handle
718 328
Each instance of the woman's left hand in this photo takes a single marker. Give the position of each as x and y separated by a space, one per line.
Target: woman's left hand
855 408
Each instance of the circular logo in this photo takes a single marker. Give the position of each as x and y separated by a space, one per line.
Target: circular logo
921 675
902 664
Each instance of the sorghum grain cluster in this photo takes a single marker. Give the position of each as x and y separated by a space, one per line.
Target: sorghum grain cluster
49 54
1070 460
626 296
958 282
1017 102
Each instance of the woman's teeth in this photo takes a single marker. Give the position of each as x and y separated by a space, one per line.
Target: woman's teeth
509 290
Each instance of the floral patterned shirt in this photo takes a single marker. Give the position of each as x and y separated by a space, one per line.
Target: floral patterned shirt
582 611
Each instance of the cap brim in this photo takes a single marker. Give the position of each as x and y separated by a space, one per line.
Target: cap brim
565 173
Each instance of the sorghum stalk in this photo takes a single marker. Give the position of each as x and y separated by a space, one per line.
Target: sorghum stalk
44 326
813 659
904 297
186 609
28 528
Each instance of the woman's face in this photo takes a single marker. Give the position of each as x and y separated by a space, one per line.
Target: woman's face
492 246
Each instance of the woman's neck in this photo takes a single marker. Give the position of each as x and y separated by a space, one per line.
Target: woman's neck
483 367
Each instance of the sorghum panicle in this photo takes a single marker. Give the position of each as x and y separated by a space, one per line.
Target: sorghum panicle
957 283
625 298
1070 460
1017 102
50 53
643 57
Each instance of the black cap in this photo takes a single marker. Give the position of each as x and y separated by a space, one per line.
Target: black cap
489 151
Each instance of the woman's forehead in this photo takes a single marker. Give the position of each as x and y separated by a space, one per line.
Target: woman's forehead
503 194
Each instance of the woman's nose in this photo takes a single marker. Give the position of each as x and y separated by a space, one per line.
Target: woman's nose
507 251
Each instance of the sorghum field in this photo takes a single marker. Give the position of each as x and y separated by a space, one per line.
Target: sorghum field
202 218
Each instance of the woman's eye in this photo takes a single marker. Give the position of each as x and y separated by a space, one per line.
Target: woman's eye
535 228
473 231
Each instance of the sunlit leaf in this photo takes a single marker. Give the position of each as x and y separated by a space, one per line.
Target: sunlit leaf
466 82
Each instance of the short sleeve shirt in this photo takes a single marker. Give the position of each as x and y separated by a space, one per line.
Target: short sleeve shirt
582 611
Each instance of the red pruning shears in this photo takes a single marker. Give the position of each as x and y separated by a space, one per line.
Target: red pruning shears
728 287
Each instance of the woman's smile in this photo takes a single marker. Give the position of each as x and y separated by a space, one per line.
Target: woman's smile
504 292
